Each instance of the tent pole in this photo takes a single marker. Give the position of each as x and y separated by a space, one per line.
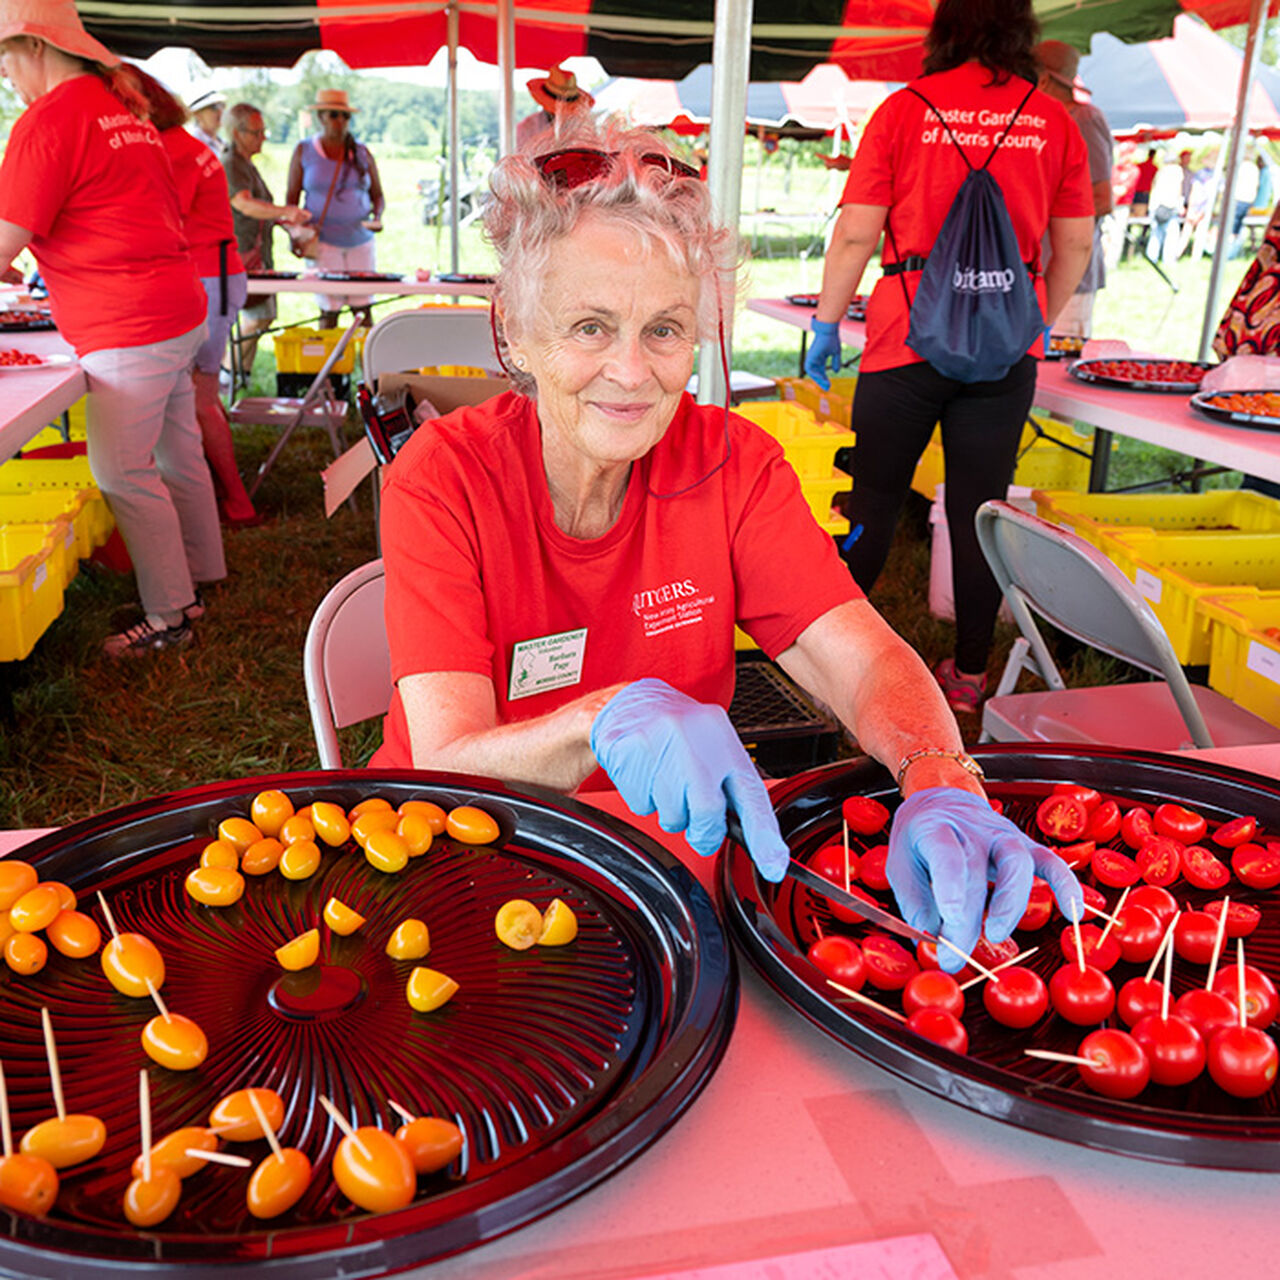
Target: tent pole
454 167
730 72
1239 126
506 77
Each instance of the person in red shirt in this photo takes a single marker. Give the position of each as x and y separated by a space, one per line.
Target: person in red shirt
85 183
565 563
978 67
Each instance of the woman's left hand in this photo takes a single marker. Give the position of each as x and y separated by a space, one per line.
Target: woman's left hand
944 845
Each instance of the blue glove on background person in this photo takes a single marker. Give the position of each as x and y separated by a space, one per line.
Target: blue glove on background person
663 750
944 845
824 349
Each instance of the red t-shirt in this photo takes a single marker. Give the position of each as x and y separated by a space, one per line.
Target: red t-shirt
203 202
906 162
476 565
93 185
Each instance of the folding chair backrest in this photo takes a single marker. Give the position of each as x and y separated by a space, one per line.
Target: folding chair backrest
429 337
345 663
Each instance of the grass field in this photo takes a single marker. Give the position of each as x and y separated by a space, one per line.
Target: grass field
87 735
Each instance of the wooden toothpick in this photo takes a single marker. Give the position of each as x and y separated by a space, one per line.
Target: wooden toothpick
51 1052
345 1125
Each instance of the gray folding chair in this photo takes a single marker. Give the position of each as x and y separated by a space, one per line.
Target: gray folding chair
429 337
1053 573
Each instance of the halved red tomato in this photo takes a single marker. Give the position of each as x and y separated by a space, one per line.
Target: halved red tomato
1104 822
889 964
1179 823
1114 869
1160 860
1203 869
864 815
1235 832
1039 907
1078 856
1086 795
1256 865
1160 902
871 867
1136 827
1062 818
1242 918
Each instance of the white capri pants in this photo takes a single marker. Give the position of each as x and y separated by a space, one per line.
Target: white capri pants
331 257
146 456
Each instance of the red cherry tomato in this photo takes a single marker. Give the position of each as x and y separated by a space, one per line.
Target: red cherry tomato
840 959
1082 996
941 1027
1160 902
1173 1048
1016 997
1119 1066
1138 998
864 815
1062 818
871 867
1114 869
1256 865
1104 822
1138 932
1160 860
997 805
1086 795
1039 907
1102 956
1203 869
990 955
1094 897
1235 832
1194 936
1179 823
1078 856
1242 1061
1208 1011
1261 1003
932 989
889 964
1136 827
1242 918
828 862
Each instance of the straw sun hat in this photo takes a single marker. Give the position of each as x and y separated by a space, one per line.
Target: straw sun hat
559 88
332 100
57 23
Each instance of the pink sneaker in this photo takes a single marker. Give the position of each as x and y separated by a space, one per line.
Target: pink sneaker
963 693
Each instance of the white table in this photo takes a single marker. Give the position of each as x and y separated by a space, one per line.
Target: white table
30 399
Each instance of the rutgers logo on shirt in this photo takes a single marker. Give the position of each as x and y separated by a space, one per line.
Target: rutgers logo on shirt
674 604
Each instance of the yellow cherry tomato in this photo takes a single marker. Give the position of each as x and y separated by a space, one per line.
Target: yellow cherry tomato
471 825
129 961
428 989
233 1118
373 820
416 833
559 925
330 823
28 1184
262 857
239 833
300 860
149 1201
518 924
299 827
175 1042
6 929
340 917
36 908
218 853
65 1141
300 952
386 851
66 894
436 817
374 1171
16 878
171 1151
74 934
370 805
26 954
215 886
270 810
410 941
277 1184
432 1142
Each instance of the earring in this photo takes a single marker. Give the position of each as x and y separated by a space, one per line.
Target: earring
519 362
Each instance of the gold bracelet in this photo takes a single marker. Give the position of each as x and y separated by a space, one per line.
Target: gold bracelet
962 758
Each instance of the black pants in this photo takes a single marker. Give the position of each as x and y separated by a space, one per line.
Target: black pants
894 413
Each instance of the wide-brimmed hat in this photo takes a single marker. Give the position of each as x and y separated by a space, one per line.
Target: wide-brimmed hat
1060 62
57 23
332 100
210 98
559 88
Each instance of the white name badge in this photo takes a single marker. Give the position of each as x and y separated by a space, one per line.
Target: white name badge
549 662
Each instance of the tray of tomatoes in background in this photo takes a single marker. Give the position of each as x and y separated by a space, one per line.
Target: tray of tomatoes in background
1142 373
1259 409
556 1063
1216 837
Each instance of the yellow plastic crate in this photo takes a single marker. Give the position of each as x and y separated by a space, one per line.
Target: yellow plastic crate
56 478
30 591
818 493
51 504
835 405
810 444
304 350
56 533
1221 511
1176 571
1244 650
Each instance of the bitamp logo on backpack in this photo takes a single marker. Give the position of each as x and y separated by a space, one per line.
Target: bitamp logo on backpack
976 280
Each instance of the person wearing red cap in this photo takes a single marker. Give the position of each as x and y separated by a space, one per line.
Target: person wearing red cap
85 184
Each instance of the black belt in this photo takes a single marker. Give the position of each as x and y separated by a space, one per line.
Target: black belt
223 246
916 263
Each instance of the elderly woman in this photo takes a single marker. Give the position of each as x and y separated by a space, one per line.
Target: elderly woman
85 183
566 563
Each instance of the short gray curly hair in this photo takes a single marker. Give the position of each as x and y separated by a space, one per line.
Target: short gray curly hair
528 213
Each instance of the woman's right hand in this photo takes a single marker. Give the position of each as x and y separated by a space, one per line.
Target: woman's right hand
824 351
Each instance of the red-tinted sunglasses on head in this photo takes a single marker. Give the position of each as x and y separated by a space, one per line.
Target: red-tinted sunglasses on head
576 165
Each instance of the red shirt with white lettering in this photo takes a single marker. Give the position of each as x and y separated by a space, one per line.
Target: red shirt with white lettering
203 202
92 183
907 162
475 564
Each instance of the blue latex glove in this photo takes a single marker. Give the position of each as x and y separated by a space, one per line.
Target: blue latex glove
665 751
944 845
824 349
